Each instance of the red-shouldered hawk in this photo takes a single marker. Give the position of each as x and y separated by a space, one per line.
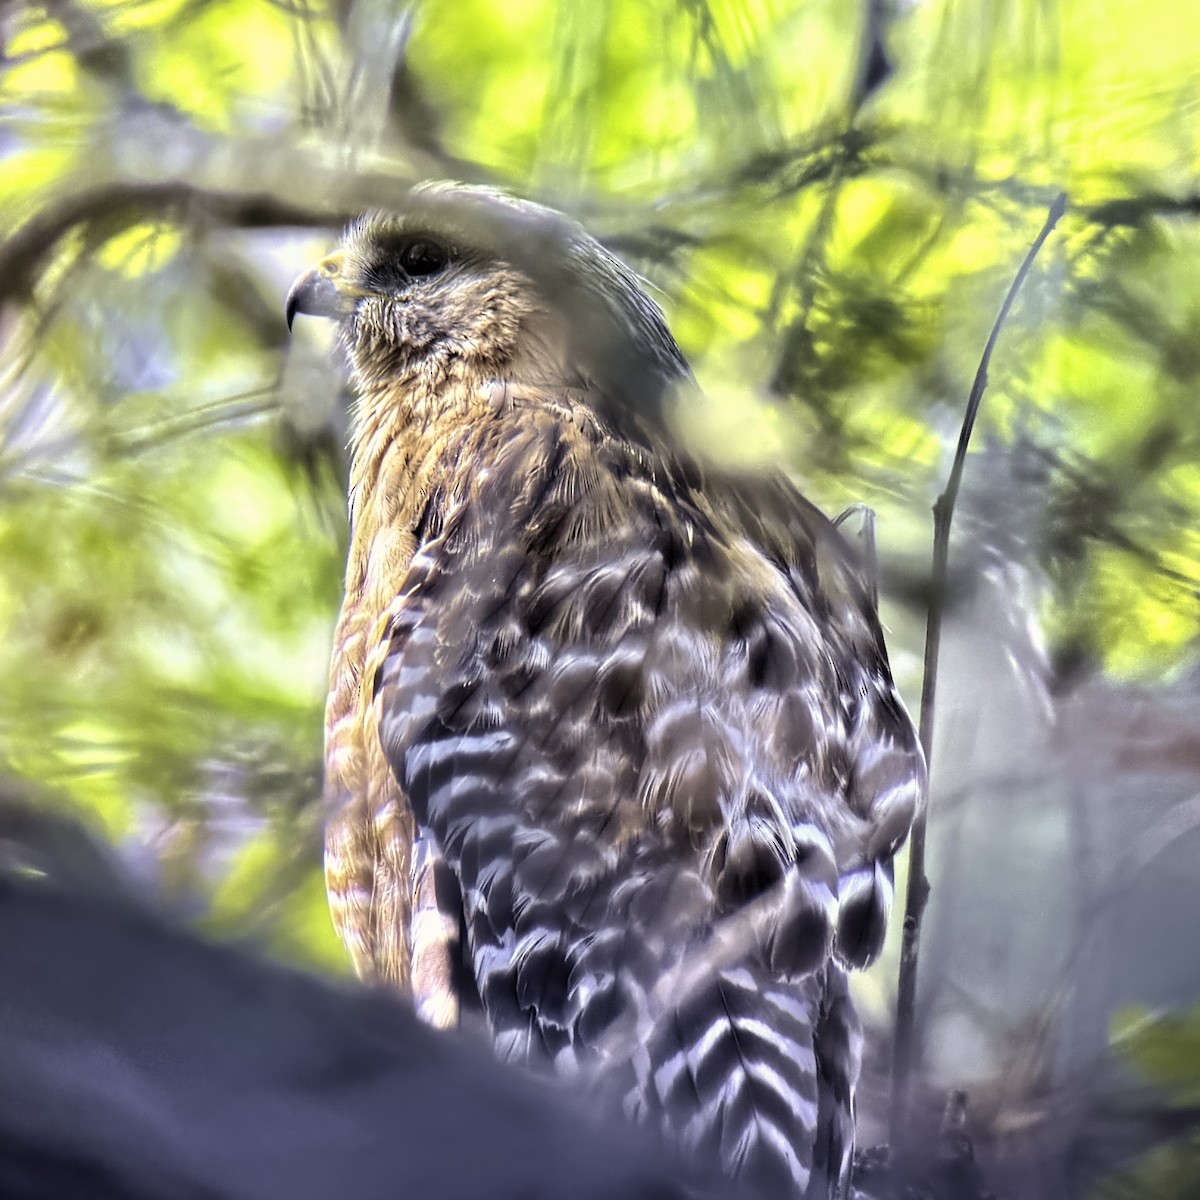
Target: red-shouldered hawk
613 748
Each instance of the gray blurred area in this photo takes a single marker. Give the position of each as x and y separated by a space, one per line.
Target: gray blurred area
1061 935
138 1062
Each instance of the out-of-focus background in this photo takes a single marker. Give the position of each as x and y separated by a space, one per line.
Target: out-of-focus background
829 198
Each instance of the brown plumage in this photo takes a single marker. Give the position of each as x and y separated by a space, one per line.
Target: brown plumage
613 754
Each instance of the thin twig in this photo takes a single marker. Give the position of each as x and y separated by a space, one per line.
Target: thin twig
122 203
904 1047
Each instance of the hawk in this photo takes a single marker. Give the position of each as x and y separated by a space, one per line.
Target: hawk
614 755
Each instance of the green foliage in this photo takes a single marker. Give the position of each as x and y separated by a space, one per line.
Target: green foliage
1164 1051
832 254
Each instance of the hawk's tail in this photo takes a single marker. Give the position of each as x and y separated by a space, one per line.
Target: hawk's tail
758 1074
749 1048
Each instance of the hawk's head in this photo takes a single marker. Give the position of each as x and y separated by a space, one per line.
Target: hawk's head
467 282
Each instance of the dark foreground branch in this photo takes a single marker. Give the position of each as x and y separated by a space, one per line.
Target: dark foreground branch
139 1062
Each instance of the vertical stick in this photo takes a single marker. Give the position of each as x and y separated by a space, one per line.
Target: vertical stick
904 1047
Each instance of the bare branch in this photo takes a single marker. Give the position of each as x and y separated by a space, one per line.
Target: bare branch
122 204
904 1047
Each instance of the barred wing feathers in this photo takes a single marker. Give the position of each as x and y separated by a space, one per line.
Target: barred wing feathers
647 722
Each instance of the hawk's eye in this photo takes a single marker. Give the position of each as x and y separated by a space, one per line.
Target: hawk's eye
423 258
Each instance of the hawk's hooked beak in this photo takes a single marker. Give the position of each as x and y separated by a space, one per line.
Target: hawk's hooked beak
320 292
